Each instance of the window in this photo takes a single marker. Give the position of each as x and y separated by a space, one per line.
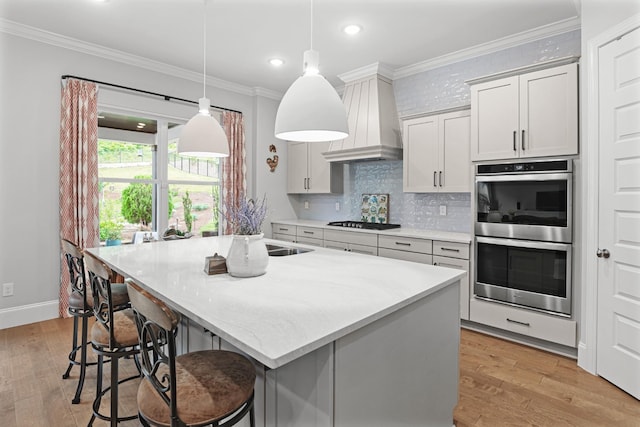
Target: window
146 186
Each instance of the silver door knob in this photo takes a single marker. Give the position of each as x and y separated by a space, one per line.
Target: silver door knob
603 253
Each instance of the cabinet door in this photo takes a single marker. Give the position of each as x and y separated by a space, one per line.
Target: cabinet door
454 173
297 167
420 155
460 264
549 112
319 169
363 249
341 246
494 119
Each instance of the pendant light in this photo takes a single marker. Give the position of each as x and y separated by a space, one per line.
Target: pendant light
311 110
203 136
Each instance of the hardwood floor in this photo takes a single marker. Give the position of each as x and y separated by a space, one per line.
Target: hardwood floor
501 384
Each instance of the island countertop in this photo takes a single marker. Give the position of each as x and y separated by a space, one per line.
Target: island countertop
302 303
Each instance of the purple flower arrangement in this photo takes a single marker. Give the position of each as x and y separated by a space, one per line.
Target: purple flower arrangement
247 216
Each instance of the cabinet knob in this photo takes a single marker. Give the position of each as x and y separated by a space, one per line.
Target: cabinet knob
603 253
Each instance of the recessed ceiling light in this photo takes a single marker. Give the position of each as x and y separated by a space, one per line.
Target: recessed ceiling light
352 29
276 62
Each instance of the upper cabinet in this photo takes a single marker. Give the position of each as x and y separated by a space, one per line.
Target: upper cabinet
436 153
528 115
309 172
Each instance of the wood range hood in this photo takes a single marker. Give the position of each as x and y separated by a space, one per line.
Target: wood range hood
374 129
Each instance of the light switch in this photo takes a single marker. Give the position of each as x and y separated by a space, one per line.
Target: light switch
443 210
306 204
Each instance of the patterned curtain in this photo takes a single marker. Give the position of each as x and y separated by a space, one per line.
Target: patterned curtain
79 214
234 183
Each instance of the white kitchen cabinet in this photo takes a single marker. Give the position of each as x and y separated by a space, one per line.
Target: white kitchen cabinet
533 114
526 322
455 255
310 235
436 153
284 232
351 241
436 252
309 172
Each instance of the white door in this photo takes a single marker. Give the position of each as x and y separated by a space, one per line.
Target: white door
618 336
420 154
297 167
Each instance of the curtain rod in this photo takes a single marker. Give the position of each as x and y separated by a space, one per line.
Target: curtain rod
146 92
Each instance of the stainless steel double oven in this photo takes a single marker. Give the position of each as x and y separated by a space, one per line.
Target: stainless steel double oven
523 234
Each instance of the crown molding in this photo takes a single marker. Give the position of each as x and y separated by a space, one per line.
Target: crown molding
535 34
367 71
43 36
267 93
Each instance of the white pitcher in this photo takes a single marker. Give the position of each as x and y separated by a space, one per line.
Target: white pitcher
248 256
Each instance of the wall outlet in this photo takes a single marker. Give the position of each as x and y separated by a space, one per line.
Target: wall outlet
306 204
443 210
337 206
7 289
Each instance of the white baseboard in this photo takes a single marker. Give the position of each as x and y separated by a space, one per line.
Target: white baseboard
31 313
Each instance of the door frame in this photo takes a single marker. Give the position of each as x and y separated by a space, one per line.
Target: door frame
587 348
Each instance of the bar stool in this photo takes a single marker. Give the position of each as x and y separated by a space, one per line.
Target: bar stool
212 387
114 335
81 308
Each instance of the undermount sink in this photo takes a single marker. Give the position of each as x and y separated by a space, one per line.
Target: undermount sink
275 250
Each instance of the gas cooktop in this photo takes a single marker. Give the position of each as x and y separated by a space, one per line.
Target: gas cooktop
364 225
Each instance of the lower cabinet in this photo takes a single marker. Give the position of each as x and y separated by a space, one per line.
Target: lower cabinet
444 254
525 322
351 241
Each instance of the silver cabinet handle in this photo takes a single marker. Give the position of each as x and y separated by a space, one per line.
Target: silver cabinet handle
514 140
522 141
603 253
403 244
450 250
308 183
440 178
434 179
518 322
308 232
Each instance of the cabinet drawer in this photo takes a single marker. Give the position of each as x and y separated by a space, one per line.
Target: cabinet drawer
409 244
450 249
366 239
309 232
284 229
284 237
309 241
405 255
525 322
363 249
444 261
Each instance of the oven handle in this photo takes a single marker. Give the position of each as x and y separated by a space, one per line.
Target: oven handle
526 177
533 244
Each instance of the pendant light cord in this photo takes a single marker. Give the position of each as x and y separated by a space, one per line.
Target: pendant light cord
204 51
311 18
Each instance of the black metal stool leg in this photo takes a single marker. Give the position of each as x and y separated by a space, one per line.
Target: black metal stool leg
114 392
83 361
74 349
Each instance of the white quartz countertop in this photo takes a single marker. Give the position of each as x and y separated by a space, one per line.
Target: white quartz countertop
302 303
447 236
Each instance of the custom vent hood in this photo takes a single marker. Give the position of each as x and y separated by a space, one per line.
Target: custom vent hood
374 132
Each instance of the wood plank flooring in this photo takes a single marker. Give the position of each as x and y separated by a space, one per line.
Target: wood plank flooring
501 384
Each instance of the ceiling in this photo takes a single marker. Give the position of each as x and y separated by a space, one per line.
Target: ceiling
242 35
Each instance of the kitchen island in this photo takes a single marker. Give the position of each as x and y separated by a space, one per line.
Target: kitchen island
339 339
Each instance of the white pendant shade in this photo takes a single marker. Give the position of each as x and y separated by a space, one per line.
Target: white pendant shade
311 110
203 136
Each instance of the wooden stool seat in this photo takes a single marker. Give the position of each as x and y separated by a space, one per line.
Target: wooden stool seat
125 331
211 385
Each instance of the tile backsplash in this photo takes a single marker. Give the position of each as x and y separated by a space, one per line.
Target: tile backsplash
412 210
429 91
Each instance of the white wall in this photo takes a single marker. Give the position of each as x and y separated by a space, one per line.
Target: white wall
30 85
